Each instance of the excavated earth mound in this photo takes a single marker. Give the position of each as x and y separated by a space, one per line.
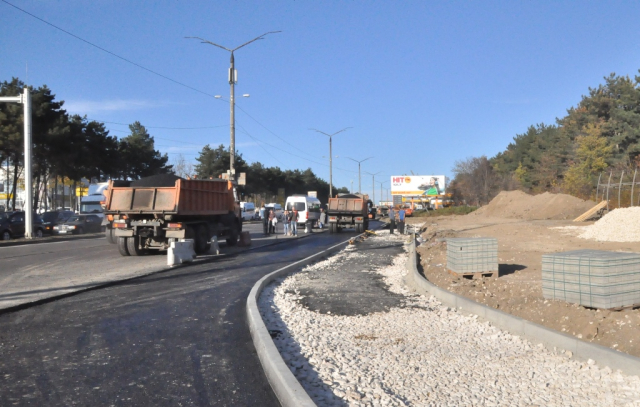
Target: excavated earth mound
619 225
520 205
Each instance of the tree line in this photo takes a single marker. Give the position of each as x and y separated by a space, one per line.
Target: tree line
67 148
601 133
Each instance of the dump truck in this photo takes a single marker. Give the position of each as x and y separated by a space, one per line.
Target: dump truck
150 213
348 210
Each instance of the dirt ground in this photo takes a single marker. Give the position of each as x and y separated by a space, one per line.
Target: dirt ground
518 289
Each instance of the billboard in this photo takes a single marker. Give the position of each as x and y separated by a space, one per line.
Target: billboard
418 185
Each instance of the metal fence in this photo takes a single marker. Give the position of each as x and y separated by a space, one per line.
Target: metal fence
624 188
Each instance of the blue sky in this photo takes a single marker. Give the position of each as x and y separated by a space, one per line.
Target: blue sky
421 83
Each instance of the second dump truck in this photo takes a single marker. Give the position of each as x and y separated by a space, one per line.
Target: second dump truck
348 210
150 213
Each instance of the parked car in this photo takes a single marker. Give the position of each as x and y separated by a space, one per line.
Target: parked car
79 224
277 209
14 226
53 218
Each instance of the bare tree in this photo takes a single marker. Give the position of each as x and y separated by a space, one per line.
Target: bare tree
181 167
476 180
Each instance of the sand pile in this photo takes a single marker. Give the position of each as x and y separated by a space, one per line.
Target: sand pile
619 225
520 205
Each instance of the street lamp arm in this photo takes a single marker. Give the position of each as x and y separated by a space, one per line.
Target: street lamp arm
261 37
212 43
331 135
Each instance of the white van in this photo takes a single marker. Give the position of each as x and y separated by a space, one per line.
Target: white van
308 208
248 210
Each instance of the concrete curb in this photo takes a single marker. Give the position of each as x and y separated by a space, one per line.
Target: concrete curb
284 384
581 350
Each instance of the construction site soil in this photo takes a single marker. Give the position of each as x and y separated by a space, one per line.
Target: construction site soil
527 227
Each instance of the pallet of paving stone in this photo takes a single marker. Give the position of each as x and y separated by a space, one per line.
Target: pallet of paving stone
472 255
592 278
474 276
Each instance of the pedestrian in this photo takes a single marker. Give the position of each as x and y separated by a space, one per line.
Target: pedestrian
392 219
323 219
294 222
286 221
265 221
401 214
272 217
262 209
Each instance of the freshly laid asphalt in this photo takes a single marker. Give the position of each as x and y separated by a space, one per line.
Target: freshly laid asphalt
175 337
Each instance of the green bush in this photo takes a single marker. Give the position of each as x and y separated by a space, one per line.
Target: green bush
452 210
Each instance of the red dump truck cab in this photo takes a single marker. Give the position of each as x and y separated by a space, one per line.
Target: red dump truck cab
149 214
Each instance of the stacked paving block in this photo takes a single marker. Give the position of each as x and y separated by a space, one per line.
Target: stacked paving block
472 255
592 278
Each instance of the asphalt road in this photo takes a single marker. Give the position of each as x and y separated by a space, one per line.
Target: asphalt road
175 338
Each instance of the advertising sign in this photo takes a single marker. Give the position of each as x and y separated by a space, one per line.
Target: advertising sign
418 185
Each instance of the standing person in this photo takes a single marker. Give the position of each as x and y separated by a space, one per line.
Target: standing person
392 219
294 222
401 214
265 220
272 216
323 218
286 221
262 212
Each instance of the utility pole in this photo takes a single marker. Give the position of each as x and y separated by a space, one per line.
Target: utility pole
331 157
233 79
381 196
359 179
25 99
373 184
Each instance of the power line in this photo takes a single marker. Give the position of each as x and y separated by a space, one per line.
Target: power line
107 51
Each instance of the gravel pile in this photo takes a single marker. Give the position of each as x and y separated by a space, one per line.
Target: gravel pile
425 354
619 225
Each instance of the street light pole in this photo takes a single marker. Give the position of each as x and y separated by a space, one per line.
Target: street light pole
381 196
373 184
359 180
233 79
331 157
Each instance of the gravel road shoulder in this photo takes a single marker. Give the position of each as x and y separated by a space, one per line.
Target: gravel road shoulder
411 350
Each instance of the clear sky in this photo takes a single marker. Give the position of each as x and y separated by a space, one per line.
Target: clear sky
421 83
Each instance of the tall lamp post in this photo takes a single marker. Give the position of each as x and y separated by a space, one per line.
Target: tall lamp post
359 162
373 184
381 182
330 155
233 79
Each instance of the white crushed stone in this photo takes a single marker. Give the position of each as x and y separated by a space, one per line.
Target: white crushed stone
426 355
619 225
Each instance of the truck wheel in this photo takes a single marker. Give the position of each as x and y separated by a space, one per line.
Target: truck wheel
133 246
233 235
111 238
122 246
332 228
358 227
201 240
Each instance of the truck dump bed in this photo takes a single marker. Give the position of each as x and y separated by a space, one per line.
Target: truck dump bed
185 197
347 204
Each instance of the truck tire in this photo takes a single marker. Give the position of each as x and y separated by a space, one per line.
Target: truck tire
201 240
133 246
332 228
358 227
233 235
122 246
111 238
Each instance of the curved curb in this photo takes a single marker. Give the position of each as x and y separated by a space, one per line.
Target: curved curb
284 384
550 338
